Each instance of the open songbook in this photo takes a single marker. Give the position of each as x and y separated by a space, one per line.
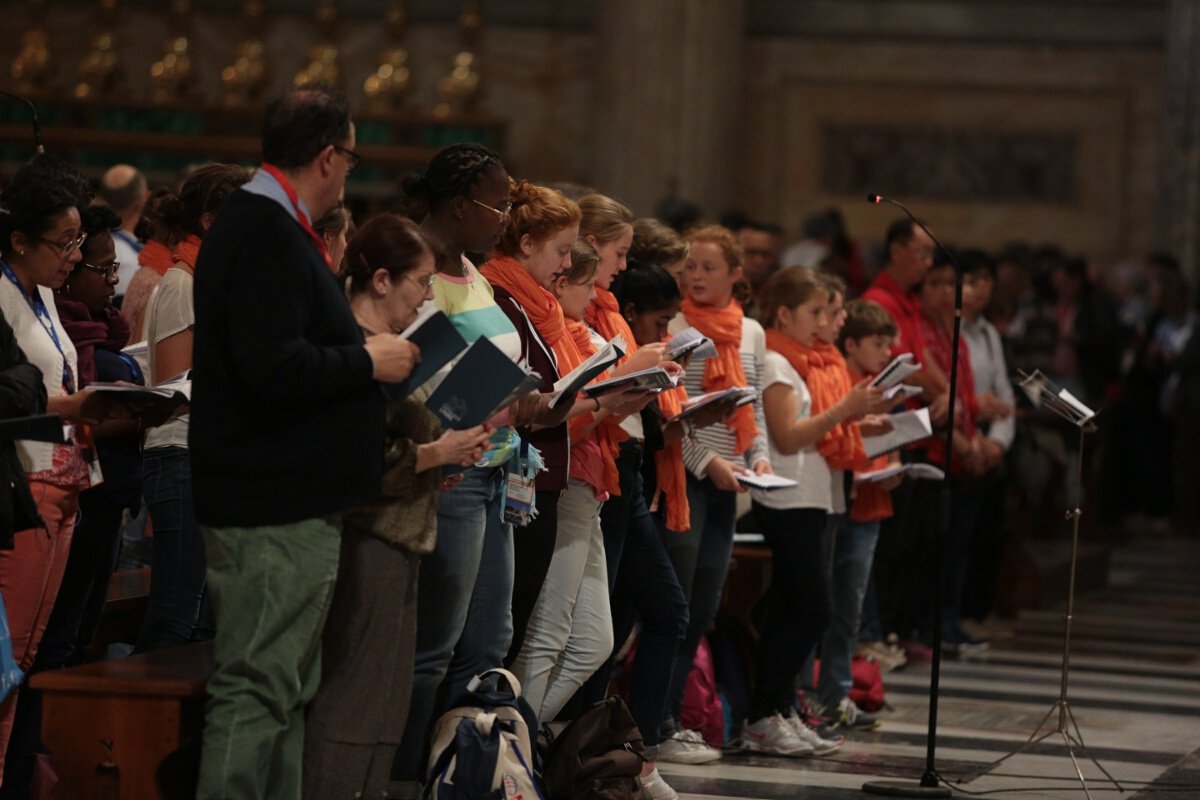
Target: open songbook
766 482
896 371
173 391
1042 391
901 392
907 427
483 382
740 396
690 341
440 343
919 471
654 379
570 384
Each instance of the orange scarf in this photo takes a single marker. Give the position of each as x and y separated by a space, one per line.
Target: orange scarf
543 310
603 315
608 433
724 327
828 379
187 250
668 465
157 256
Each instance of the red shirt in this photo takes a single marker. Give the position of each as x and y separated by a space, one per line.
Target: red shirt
905 310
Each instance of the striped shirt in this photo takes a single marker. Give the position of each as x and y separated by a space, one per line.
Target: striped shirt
469 303
719 440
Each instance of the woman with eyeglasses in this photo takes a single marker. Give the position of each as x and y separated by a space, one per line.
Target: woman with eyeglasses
98 331
173 614
40 239
465 623
356 719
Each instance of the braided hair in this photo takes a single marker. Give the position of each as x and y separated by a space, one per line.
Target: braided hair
454 171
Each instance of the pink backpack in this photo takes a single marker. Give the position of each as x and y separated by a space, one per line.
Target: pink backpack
702 707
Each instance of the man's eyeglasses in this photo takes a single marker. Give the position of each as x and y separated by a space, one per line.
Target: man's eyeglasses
353 159
65 248
109 271
502 211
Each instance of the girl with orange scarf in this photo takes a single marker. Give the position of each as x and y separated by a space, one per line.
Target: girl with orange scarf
713 456
570 631
533 248
177 569
641 577
807 415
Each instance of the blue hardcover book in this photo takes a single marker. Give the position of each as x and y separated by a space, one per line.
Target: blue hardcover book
440 343
482 382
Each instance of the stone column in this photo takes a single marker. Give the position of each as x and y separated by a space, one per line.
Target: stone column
668 88
1180 169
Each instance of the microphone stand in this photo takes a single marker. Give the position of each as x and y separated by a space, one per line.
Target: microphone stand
930 783
39 146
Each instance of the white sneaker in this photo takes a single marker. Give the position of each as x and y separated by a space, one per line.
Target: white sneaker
818 745
687 747
657 788
775 736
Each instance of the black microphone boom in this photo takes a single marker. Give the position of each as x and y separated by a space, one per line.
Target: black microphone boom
878 198
39 146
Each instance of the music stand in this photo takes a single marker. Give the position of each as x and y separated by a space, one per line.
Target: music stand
1042 392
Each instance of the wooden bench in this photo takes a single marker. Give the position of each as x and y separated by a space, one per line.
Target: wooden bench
109 725
124 608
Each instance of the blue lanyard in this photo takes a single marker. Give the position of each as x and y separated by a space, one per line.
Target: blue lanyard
43 316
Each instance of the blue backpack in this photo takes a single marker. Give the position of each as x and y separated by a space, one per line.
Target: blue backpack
481 748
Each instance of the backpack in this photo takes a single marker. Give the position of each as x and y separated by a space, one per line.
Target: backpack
867 691
598 755
702 709
481 748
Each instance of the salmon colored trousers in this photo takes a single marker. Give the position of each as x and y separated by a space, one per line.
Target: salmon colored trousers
30 575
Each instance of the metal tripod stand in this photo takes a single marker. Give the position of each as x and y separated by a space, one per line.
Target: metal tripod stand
1042 392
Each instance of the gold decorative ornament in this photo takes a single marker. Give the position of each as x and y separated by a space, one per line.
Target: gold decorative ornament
322 66
389 87
244 80
31 67
100 69
171 75
461 91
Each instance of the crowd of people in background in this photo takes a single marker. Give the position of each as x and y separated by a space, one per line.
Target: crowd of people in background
356 565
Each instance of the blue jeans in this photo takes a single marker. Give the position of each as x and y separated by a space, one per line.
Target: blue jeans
174 612
853 554
464 602
643 585
701 558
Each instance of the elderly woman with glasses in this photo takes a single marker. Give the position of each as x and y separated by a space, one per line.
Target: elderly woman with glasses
40 238
356 720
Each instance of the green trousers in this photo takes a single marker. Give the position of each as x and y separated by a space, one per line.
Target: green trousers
271 587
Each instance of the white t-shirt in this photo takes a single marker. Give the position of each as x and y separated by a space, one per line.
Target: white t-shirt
171 311
807 467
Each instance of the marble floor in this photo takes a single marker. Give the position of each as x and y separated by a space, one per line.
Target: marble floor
1134 692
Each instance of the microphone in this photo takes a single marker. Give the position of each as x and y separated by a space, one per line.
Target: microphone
878 199
37 126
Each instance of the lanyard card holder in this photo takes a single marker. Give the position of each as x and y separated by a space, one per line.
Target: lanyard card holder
519 503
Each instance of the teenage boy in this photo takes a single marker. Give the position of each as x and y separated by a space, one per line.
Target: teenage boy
866 342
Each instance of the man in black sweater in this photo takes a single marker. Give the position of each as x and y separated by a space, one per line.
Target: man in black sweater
286 433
